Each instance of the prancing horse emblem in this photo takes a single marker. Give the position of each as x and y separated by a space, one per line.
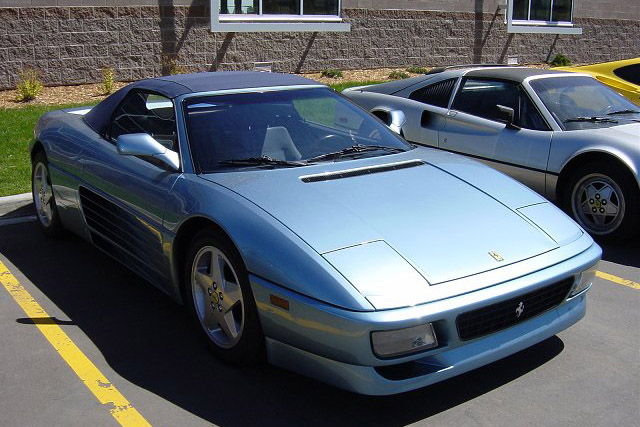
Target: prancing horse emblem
495 255
519 309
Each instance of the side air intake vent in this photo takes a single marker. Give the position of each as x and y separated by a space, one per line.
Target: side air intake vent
349 173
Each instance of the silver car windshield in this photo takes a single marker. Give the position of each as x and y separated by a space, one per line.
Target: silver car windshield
584 103
284 128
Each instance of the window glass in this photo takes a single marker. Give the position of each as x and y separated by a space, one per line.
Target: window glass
540 10
320 7
630 73
480 97
570 99
561 10
280 7
437 94
238 7
520 9
142 112
291 125
529 117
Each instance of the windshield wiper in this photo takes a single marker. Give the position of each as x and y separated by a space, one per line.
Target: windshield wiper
354 150
262 161
623 112
594 119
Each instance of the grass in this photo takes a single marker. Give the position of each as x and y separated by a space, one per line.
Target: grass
16 131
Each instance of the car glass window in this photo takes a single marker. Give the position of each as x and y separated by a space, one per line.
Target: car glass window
142 112
570 99
528 116
630 73
290 125
480 97
437 94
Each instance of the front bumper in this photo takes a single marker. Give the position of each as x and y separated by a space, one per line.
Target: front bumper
333 345
428 369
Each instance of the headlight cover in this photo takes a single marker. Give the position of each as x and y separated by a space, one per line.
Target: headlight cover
583 281
400 342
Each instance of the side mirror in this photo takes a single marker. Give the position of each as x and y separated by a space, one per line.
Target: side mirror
397 119
506 115
142 144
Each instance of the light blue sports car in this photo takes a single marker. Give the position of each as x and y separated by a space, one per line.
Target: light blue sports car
297 227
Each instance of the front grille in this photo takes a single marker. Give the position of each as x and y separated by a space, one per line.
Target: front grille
496 317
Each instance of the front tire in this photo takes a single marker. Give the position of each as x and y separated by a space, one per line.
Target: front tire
219 298
604 200
43 197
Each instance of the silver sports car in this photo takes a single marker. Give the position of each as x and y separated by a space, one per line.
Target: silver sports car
296 226
567 136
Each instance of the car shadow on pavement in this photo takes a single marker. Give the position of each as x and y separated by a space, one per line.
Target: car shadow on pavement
622 253
149 340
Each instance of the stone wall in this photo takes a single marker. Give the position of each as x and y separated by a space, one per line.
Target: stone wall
72 44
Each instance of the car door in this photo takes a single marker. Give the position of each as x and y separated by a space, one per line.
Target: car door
123 196
476 127
434 103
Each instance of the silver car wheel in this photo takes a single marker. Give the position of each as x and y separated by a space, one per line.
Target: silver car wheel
42 194
217 297
598 203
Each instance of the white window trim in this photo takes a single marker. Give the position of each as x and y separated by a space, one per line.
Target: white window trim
538 27
228 23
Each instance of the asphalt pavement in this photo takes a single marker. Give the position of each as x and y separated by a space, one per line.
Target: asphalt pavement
144 345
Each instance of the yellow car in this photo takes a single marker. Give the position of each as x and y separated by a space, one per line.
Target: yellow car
623 76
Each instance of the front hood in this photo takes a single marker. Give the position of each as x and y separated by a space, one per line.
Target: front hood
440 224
626 132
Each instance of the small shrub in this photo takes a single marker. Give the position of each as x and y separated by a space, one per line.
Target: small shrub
560 61
398 75
417 70
169 64
331 73
108 76
29 85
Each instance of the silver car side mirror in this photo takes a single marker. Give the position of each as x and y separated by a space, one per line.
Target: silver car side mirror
397 120
508 115
142 144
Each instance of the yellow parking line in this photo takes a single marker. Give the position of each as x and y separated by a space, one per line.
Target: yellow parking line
105 392
618 280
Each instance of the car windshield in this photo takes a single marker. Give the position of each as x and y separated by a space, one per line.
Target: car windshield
285 128
583 103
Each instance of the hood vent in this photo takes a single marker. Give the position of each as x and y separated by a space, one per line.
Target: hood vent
328 176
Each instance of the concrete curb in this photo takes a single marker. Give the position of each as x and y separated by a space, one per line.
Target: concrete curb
16 206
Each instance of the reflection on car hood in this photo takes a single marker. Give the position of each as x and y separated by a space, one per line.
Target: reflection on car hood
441 224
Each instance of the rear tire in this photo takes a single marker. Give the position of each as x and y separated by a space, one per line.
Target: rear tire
604 200
43 197
220 301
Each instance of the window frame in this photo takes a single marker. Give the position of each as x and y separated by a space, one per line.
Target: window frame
274 22
527 26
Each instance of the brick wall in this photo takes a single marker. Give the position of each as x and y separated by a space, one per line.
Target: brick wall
72 44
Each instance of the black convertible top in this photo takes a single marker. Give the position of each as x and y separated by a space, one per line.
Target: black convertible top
174 86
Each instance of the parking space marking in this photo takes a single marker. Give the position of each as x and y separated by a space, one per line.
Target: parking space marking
619 280
103 390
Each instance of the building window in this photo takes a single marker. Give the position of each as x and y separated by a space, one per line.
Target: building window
276 15
541 16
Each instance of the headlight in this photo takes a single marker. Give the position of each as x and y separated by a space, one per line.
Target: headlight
403 341
583 280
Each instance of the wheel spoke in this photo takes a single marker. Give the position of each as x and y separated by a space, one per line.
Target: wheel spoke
203 280
232 293
228 325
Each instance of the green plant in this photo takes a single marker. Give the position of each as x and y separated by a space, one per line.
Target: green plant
108 76
397 75
29 85
414 69
560 61
331 73
170 66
